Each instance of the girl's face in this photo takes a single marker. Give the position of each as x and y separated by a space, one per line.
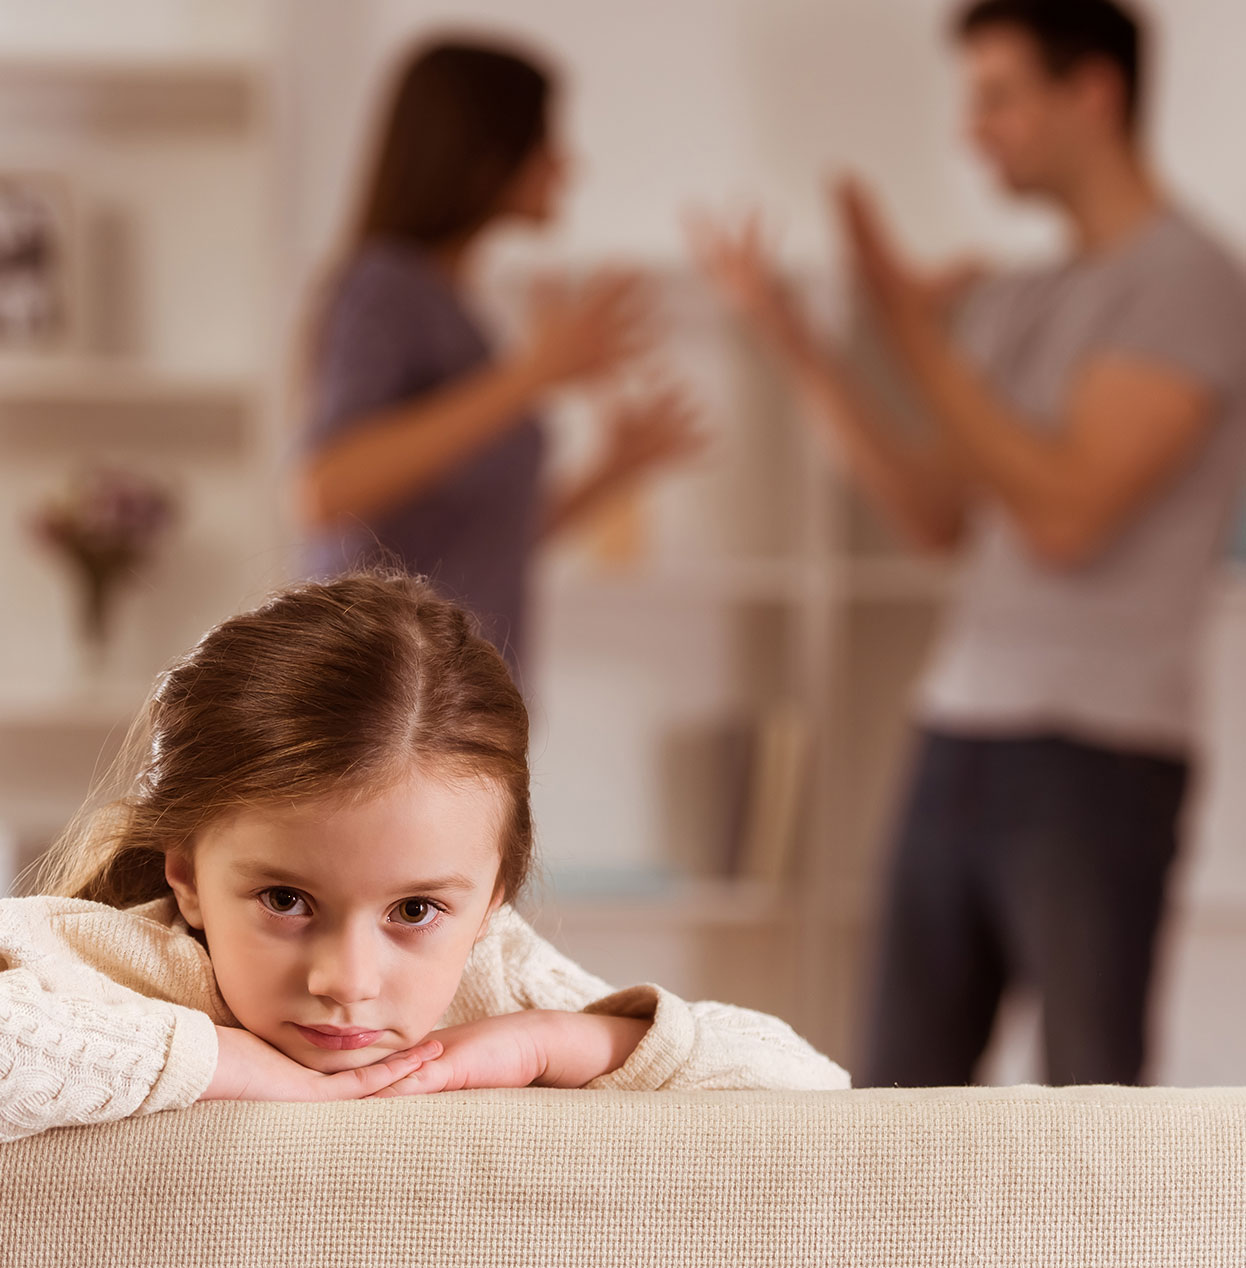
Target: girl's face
349 917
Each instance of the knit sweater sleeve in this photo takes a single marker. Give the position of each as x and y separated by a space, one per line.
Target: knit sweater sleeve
68 1059
89 1031
689 1046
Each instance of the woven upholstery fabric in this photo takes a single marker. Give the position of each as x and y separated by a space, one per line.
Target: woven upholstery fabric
1086 1177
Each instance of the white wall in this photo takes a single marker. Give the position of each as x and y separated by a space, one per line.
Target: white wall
721 99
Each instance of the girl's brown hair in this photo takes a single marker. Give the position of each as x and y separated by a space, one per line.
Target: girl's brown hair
334 688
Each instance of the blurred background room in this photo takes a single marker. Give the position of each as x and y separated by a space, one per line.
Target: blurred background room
719 661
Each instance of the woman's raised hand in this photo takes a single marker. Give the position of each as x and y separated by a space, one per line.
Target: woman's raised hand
249 1069
654 431
586 331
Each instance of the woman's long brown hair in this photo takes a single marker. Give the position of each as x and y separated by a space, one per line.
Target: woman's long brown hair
462 118
328 689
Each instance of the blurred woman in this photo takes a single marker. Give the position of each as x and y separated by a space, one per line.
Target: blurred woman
424 444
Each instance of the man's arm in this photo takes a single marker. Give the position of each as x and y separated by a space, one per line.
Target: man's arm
914 484
1128 425
1127 429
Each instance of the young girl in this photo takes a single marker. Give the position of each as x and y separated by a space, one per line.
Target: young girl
306 894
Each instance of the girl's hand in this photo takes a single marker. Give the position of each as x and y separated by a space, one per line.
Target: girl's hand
588 331
542 1047
248 1069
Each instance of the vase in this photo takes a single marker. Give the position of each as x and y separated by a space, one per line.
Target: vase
96 592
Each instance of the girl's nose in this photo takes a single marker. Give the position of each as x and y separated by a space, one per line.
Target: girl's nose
345 966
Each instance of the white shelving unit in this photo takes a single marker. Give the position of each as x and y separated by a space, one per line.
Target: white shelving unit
164 126
757 580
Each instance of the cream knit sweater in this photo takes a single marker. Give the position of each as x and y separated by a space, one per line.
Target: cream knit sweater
107 1013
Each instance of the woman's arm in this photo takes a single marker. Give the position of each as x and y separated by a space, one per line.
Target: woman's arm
397 453
642 437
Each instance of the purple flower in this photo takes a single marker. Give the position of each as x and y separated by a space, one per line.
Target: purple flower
107 521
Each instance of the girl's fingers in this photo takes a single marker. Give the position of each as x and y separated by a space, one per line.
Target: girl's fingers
369 1079
419 1082
366 1080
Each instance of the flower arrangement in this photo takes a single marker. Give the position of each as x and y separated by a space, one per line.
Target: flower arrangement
106 524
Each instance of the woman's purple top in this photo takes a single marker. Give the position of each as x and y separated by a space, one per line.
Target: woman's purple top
395 330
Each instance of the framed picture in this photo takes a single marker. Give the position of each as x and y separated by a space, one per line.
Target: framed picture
37 263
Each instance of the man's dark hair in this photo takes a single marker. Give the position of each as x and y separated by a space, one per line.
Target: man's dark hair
1069 33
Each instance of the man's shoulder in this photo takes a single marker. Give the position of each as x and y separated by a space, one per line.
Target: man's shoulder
1186 252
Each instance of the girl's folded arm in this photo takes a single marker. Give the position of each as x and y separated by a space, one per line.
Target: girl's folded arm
705 1045
72 1058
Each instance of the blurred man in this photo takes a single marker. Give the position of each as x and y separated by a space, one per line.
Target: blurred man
1088 431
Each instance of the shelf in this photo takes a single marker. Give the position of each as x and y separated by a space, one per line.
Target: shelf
60 404
689 902
165 65
865 579
883 578
153 87
84 381
71 710
742 580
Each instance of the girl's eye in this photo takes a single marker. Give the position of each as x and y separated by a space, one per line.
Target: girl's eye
417 913
280 901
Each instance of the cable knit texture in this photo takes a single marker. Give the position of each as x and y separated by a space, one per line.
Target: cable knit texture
105 1014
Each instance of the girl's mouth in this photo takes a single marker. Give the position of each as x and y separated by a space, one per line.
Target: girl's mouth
350 1039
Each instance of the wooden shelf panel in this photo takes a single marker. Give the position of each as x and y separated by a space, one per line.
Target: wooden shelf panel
722 580
70 710
863 578
83 381
57 404
691 902
67 87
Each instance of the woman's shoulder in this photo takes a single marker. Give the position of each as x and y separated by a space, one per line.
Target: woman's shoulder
395 275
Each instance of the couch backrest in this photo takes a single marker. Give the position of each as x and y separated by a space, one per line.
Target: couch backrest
1111 1177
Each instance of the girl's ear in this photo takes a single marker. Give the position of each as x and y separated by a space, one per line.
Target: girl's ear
494 903
179 871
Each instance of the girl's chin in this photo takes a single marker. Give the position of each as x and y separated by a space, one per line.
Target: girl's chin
335 1062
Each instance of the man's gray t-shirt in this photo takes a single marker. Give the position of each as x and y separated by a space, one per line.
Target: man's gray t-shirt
395 331
1105 652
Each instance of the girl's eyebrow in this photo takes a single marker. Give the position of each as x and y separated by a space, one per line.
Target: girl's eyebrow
257 870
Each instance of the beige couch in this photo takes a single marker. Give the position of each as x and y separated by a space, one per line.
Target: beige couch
1092 1177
